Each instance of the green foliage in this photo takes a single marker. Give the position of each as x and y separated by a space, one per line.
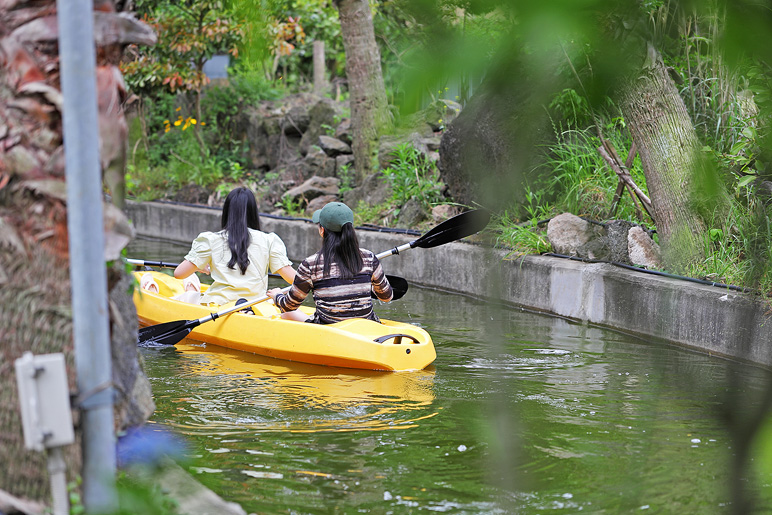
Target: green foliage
761 450
582 183
135 495
445 48
347 178
434 35
366 214
168 153
189 32
291 207
320 22
737 245
412 176
572 108
522 238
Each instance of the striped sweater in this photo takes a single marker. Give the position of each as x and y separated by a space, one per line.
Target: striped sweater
337 298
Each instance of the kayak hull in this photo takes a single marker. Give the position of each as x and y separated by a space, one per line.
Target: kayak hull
353 343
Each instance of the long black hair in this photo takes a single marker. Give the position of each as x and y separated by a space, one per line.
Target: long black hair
342 248
239 214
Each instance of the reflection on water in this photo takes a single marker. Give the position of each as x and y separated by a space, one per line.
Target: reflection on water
522 413
238 392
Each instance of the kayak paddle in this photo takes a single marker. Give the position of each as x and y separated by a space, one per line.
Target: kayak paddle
452 229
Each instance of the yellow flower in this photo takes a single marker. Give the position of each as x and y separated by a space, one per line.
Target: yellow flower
192 120
177 123
178 108
203 123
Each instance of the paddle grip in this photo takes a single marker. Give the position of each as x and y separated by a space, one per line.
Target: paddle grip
395 250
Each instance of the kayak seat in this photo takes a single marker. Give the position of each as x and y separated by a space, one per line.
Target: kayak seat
168 286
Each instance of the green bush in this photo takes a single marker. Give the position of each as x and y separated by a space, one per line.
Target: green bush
414 177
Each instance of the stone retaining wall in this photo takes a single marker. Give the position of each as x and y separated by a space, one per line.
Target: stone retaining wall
701 317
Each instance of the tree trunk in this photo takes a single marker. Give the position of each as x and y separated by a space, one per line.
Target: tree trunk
35 303
367 93
670 154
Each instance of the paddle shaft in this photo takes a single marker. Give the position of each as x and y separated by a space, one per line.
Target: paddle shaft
231 309
395 250
161 264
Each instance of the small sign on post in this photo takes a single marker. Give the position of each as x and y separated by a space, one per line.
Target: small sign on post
46 417
45 401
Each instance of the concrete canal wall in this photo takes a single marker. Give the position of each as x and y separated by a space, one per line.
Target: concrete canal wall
705 318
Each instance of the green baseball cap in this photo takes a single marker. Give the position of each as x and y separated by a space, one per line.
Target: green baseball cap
334 216
315 216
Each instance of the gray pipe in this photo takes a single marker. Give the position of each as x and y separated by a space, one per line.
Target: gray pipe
77 58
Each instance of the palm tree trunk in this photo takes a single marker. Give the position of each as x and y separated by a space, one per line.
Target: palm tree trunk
35 303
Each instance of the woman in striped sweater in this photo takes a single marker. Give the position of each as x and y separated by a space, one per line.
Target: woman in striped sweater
341 275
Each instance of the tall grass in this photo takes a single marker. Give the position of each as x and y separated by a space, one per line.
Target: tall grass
738 245
582 183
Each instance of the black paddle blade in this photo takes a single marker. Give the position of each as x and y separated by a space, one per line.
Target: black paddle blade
398 287
168 333
453 229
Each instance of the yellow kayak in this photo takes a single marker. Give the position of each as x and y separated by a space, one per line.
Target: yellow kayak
354 343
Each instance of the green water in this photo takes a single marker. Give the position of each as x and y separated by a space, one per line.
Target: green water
520 413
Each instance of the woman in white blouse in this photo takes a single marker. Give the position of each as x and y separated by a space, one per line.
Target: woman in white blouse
238 257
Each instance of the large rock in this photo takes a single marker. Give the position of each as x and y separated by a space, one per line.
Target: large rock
342 162
616 236
411 214
277 134
312 188
319 163
492 150
333 147
643 250
374 191
343 131
268 145
572 236
321 121
297 115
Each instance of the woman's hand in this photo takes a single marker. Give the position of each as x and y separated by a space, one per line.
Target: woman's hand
206 270
273 292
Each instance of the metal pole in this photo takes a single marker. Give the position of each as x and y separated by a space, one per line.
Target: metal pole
57 472
77 58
